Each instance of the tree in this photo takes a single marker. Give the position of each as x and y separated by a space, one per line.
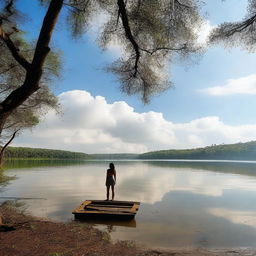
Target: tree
21 118
238 33
33 69
29 112
151 31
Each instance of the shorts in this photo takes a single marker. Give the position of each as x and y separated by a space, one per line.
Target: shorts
110 182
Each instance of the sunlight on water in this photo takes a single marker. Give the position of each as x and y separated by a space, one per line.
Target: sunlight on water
208 204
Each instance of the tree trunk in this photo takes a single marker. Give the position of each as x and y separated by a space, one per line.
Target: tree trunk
35 69
3 118
5 146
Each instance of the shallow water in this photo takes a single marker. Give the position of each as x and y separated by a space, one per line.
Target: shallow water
207 204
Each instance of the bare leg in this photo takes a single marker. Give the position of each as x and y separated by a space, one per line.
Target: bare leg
113 192
108 187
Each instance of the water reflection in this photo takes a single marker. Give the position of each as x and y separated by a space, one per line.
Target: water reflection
110 224
183 204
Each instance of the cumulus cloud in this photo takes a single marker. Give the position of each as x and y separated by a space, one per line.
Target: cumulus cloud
242 85
90 124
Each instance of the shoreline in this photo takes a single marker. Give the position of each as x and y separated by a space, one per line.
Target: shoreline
44 237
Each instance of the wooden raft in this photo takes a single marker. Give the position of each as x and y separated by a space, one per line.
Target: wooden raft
113 209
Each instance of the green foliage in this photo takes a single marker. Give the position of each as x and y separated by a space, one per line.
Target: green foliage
239 151
22 152
114 156
239 33
28 114
151 32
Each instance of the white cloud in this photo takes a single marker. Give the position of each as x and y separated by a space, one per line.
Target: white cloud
203 32
90 124
242 85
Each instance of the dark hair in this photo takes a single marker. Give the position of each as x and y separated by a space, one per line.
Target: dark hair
111 166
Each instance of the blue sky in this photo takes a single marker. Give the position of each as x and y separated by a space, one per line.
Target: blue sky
189 101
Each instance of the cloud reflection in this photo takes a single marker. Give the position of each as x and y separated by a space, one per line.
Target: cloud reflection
238 217
182 203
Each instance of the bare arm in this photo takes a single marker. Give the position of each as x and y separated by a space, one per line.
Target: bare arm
115 175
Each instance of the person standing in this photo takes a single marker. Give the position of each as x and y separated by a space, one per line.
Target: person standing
111 180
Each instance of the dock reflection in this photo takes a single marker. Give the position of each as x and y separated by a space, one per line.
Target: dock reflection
109 222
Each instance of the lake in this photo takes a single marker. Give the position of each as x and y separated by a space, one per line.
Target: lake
183 203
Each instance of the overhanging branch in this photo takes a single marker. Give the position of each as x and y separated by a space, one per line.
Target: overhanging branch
242 26
182 4
128 33
152 51
33 76
14 50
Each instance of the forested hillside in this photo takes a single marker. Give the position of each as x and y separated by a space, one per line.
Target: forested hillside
114 156
22 152
238 151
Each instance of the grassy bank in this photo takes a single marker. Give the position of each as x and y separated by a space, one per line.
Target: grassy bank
40 237
4 178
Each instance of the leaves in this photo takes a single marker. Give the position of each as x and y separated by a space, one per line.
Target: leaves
242 33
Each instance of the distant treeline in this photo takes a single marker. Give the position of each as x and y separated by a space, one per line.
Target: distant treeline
22 152
114 156
238 151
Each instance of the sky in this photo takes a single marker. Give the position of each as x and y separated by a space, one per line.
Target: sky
212 100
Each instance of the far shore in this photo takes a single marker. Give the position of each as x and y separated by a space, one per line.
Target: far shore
22 234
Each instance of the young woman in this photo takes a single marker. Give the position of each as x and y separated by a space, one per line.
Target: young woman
111 180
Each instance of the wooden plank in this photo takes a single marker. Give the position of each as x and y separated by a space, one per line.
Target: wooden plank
99 207
81 206
107 212
108 209
135 208
110 205
115 202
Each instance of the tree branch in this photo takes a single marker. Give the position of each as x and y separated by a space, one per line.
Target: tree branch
42 46
34 74
75 7
5 90
128 33
152 51
6 145
14 51
242 26
182 4
8 7
8 69
11 125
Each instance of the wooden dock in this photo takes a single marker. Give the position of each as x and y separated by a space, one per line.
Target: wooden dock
107 209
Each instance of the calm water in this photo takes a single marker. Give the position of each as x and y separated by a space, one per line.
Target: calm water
207 204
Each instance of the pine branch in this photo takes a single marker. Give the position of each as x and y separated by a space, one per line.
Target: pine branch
34 74
128 33
152 51
14 50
